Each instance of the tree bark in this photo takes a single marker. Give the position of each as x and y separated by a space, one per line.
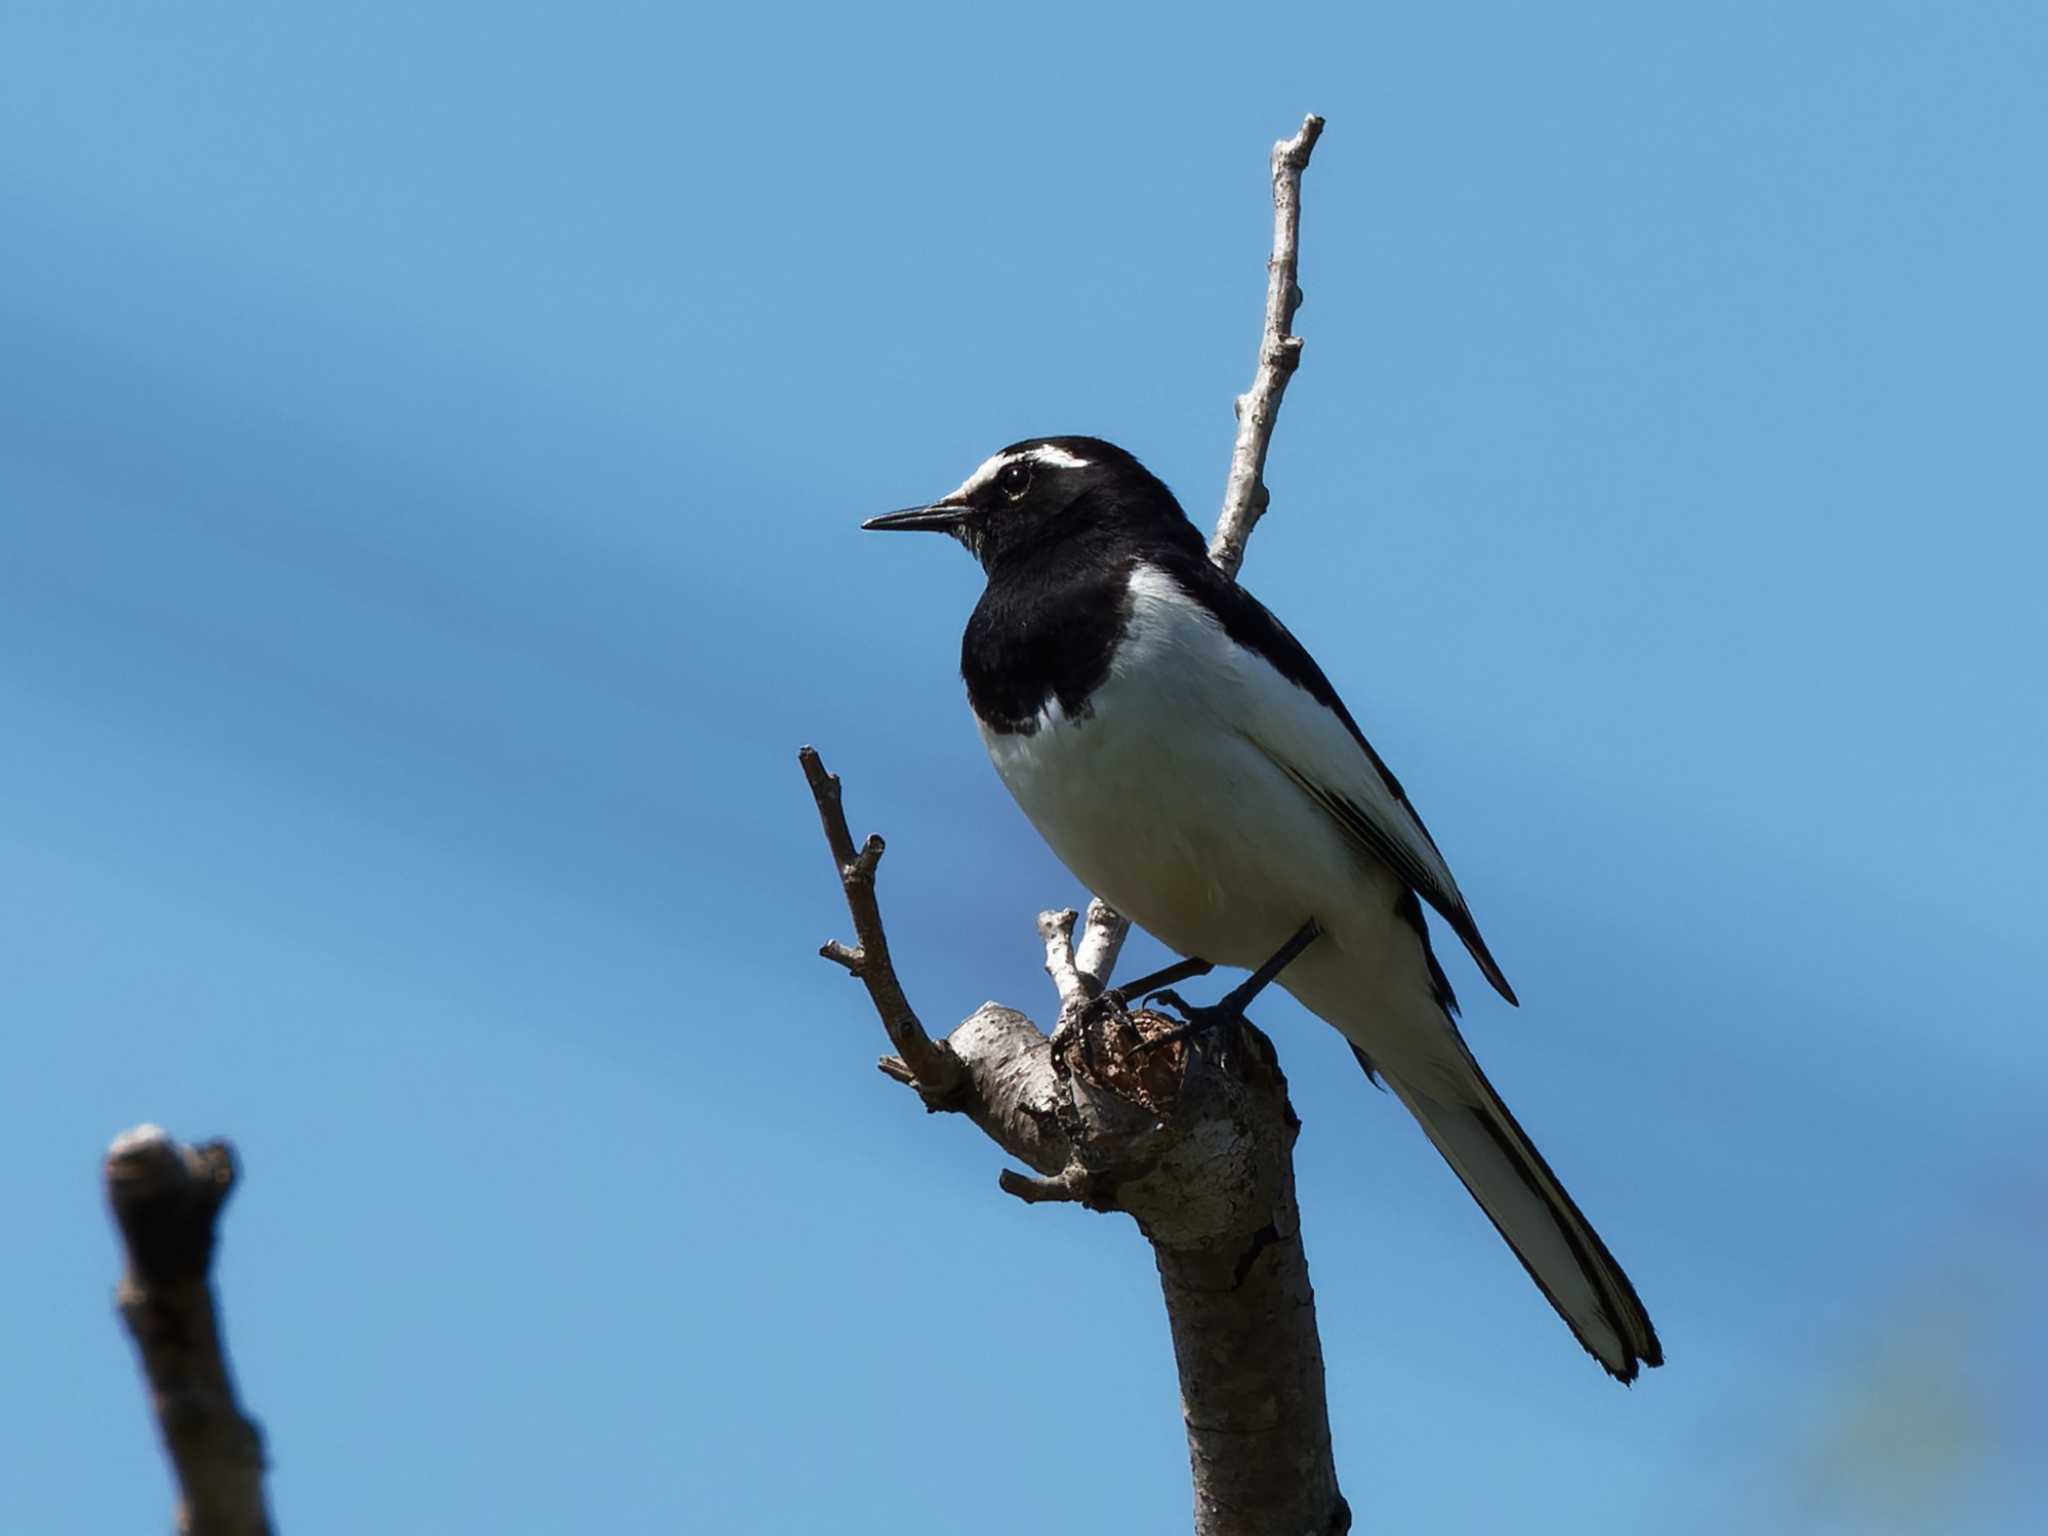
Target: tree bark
1251 1373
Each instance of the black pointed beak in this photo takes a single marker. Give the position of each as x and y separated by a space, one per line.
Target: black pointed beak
939 517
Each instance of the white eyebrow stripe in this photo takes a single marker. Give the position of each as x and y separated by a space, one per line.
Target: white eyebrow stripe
1056 457
1045 453
981 477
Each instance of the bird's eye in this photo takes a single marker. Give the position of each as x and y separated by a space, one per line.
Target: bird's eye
1013 480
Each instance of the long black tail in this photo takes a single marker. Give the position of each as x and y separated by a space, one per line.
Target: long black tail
1546 1229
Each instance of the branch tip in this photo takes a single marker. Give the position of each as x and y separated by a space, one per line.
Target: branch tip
870 855
843 955
1057 929
1055 921
1292 154
143 1140
1072 1185
1279 355
1103 931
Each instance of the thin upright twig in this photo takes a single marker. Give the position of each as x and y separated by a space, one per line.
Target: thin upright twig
1244 493
1103 931
1056 929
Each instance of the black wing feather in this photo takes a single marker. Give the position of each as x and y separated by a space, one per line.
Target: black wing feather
1251 624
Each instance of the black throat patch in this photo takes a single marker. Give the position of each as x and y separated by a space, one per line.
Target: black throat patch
1044 632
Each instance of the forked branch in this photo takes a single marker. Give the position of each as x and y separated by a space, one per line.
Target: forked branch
933 1068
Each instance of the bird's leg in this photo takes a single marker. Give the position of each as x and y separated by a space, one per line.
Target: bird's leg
1117 999
1081 1023
1231 1009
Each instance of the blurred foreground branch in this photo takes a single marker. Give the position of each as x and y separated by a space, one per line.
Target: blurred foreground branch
166 1198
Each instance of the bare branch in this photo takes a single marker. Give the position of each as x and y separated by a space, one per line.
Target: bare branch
1012 1093
1103 931
1057 930
1244 493
1073 1184
166 1199
934 1068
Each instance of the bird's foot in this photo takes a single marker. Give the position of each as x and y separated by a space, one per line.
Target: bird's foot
1077 1026
1083 1024
1229 1010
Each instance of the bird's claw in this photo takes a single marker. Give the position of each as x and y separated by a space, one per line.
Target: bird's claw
1230 1009
1081 1021
1196 1019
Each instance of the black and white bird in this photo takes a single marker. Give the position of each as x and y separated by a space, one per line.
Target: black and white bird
1191 764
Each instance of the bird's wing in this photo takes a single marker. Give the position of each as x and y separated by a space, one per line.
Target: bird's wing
1293 715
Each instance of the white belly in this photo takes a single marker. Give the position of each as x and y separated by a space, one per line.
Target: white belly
1159 801
1172 816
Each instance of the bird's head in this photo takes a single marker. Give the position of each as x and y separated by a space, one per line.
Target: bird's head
1042 491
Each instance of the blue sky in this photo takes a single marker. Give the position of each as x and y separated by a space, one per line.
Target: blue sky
432 440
